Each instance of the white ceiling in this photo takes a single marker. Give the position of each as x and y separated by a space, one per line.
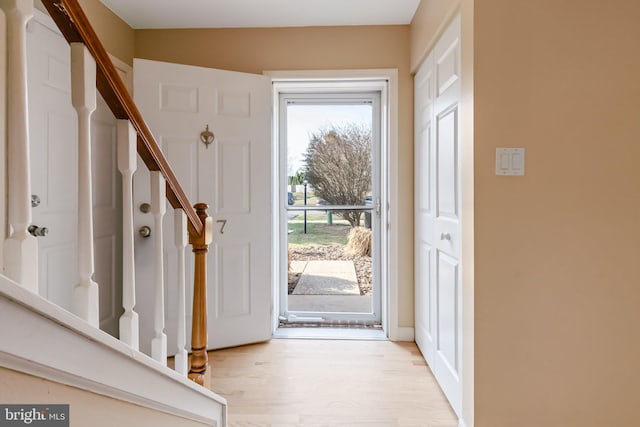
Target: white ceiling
261 13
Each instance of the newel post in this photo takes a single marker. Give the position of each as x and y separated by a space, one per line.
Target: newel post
200 243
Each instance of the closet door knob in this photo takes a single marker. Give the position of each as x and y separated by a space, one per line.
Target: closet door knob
145 231
38 231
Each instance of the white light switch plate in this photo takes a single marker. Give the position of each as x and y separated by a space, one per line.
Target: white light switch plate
510 161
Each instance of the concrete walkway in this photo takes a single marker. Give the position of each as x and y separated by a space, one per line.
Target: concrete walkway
327 286
328 278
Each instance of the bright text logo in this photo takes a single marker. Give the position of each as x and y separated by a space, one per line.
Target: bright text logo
34 415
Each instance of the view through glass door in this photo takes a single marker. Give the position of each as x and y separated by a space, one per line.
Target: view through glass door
331 146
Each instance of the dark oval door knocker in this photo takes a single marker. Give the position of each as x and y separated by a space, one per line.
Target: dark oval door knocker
207 137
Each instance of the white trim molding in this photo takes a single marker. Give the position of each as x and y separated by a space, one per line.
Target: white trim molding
405 334
46 341
389 184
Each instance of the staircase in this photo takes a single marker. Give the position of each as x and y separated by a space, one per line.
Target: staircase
42 343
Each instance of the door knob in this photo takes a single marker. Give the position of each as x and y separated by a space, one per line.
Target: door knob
145 231
35 201
445 236
38 231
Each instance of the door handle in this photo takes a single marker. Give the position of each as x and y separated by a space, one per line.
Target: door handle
445 236
224 223
145 231
36 231
35 201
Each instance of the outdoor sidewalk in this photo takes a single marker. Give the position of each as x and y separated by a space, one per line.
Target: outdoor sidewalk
327 278
327 286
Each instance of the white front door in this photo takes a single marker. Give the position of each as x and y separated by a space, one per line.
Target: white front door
438 228
54 171
232 175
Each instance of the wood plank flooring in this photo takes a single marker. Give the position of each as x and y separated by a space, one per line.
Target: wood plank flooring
289 382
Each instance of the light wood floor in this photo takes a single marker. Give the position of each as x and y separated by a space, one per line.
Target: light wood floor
289 382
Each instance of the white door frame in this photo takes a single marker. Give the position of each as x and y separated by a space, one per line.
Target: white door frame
356 93
387 82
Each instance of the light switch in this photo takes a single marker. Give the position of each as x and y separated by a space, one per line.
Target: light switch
510 161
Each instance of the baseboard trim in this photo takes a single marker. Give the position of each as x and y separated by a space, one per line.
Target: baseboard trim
402 334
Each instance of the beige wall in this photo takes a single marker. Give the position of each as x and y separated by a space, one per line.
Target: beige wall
116 36
86 408
258 50
557 288
429 21
556 279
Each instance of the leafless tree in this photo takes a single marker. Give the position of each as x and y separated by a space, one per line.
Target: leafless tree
338 166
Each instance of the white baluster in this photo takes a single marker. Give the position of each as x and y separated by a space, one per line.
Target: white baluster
129 324
182 237
21 248
158 209
83 98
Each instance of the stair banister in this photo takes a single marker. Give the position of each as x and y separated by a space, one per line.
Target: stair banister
75 27
181 241
158 209
127 164
84 100
21 248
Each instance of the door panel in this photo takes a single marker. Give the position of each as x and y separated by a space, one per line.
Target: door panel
447 347
423 292
232 175
234 292
438 227
447 63
447 187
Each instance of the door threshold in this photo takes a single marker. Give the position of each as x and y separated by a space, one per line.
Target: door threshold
330 333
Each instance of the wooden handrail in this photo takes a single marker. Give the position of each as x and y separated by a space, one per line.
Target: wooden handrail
74 25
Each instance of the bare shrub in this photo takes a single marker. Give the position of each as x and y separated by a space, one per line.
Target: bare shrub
338 166
359 243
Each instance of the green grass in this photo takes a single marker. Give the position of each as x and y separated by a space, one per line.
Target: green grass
318 234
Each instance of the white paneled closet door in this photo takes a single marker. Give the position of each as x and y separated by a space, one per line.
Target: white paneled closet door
437 213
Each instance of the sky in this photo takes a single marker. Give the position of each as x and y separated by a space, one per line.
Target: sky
304 120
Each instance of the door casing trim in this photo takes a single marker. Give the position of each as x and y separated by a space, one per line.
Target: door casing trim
389 185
